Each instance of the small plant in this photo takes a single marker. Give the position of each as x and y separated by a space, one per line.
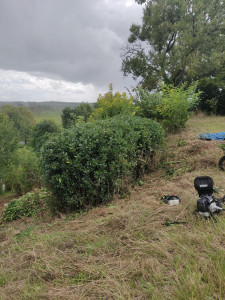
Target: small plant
140 182
26 206
3 280
181 142
222 146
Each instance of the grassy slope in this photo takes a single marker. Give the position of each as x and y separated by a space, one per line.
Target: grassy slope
125 250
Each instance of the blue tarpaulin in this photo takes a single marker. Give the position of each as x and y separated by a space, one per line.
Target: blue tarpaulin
212 136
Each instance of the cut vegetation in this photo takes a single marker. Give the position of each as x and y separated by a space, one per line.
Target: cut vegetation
131 248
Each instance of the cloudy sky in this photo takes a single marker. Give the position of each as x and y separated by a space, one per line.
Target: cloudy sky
63 50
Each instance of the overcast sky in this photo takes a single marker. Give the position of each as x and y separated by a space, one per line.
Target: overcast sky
63 50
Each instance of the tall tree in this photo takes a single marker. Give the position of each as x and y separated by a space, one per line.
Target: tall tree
41 133
8 143
71 115
22 118
177 41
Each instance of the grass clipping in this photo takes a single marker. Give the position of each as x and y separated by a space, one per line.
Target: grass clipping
125 250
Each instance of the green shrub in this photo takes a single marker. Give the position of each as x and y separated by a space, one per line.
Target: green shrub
170 106
112 104
147 103
86 165
175 106
24 172
26 206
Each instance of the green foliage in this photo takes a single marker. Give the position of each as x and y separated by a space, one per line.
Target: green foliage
175 106
170 106
8 143
147 103
24 173
112 104
41 133
178 41
86 165
213 95
22 118
70 116
222 146
26 206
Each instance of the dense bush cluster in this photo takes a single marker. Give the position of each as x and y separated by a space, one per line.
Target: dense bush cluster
170 105
86 165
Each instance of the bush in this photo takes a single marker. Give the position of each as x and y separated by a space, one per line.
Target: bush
171 106
113 104
24 173
88 164
26 206
175 106
147 103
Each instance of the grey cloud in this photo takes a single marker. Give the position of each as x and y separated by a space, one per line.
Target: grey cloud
75 40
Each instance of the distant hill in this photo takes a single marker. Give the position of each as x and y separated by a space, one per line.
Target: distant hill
50 110
40 106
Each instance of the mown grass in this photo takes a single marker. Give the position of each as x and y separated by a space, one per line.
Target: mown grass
132 248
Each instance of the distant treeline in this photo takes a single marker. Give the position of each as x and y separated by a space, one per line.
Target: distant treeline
40 106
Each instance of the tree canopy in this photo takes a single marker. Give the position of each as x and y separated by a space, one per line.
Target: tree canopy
22 118
177 41
41 132
72 115
8 142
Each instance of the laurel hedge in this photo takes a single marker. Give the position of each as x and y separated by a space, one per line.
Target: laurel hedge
87 164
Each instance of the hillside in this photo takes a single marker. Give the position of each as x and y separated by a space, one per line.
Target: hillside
133 248
39 106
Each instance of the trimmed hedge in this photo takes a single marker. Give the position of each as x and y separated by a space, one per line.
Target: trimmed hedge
86 165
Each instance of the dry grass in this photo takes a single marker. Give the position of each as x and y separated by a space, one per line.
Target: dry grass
126 250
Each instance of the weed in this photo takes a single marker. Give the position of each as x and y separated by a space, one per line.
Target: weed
181 143
125 195
26 206
140 182
25 233
3 280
